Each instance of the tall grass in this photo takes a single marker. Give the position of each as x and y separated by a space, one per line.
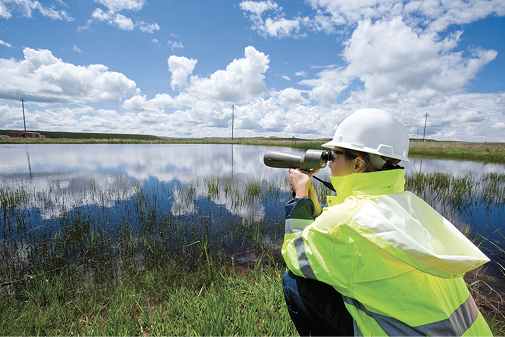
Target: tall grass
200 258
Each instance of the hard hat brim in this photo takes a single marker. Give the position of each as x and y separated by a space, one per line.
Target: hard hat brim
332 144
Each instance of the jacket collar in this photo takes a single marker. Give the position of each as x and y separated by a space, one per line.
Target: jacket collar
370 183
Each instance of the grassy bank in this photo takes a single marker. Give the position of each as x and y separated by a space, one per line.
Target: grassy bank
211 300
481 152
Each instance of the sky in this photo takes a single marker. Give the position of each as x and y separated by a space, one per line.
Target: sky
197 68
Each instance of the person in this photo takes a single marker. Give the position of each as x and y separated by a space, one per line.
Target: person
377 260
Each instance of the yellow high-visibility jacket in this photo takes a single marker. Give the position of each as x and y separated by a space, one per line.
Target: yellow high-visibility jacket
396 261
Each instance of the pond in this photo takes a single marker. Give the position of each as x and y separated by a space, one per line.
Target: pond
220 193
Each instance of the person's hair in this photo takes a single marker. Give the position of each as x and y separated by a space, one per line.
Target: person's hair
369 167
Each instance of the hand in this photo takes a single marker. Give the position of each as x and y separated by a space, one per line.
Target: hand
301 182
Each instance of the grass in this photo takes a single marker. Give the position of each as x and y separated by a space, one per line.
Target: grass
118 262
166 300
481 152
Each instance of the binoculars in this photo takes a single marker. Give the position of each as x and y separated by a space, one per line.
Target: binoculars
312 159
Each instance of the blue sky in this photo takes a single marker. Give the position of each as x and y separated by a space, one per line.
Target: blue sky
291 68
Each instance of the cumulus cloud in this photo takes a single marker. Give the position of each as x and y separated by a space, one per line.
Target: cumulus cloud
208 97
140 103
392 60
180 67
242 81
290 96
41 77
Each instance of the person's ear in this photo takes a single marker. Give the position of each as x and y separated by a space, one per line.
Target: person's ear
360 165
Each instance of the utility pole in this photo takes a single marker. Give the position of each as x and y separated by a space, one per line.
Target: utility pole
424 133
24 120
232 118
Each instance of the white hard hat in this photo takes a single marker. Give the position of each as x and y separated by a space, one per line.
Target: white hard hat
373 131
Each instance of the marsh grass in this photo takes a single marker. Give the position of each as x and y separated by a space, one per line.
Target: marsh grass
456 194
132 259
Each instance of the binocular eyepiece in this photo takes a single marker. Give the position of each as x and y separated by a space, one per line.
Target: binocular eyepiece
312 159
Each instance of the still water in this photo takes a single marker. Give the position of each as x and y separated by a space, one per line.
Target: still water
75 174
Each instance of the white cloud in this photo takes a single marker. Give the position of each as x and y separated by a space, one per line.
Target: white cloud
436 16
209 99
174 45
242 81
122 22
4 11
112 17
119 5
257 8
278 26
5 44
7 7
75 48
140 103
99 14
148 27
500 125
180 67
290 96
391 59
41 77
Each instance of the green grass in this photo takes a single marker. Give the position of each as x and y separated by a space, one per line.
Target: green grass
67 136
481 152
168 300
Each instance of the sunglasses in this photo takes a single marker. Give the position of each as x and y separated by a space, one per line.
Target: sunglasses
347 154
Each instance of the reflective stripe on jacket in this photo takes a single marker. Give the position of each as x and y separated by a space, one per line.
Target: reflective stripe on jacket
396 261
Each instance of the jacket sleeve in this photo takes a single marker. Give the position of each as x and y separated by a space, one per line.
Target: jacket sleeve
298 217
319 249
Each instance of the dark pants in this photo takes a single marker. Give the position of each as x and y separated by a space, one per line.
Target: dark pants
316 308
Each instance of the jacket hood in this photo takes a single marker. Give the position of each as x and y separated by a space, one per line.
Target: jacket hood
404 225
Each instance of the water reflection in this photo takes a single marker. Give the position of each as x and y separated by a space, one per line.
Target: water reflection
81 169
455 167
194 177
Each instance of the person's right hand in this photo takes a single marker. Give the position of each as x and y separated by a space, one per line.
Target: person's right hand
301 181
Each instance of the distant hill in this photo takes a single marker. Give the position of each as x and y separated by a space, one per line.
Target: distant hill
84 135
